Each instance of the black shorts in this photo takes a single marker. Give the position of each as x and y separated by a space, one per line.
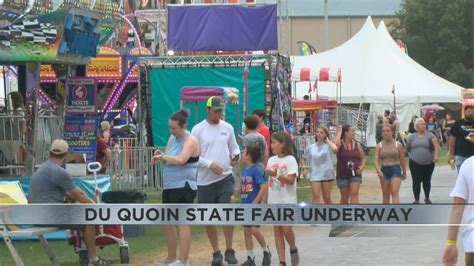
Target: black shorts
249 226
218 192
179 195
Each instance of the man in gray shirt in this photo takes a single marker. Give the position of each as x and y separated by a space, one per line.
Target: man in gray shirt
52 184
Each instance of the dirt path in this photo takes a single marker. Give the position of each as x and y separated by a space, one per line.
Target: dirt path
201 249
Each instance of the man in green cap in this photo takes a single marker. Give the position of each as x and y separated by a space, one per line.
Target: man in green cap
219 152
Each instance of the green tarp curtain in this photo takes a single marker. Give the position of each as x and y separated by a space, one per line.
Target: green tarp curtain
165 84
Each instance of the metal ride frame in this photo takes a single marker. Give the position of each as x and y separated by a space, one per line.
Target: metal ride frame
273 83
144 64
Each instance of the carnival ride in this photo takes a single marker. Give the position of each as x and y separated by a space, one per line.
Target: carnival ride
36 33
65 37
116 77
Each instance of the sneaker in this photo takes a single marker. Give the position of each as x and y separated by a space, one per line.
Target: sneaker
416 202
267 258
99 261
249 262
178 263
282 263
295 257
428 201
230 257
164 261
217 259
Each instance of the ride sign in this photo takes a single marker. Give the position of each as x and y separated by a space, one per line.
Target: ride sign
82 96
80 132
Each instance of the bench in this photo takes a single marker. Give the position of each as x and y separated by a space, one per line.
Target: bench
29 232
15 193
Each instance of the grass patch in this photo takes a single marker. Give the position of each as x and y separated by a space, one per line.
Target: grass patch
152 243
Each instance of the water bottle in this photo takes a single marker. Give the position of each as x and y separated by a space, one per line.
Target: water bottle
452 163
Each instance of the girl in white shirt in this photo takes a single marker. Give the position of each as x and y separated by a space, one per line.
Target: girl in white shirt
282 170
319 156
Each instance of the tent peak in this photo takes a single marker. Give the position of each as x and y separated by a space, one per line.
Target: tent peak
368 23
382 28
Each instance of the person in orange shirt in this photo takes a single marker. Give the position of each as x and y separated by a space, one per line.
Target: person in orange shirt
262 128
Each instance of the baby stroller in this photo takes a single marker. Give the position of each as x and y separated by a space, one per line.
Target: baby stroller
105 234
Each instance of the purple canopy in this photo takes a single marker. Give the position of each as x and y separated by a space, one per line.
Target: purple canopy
202 93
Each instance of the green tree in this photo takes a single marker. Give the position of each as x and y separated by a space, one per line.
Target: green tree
439 35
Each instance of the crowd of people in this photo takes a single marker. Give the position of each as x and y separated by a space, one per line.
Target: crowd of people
261 178
208 164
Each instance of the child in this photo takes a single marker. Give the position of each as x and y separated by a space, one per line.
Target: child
282 170
252 192
251 137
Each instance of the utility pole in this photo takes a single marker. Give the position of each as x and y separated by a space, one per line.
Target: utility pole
326 41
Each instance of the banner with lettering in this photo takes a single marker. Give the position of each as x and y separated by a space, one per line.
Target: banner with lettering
106 67
81 132
82 96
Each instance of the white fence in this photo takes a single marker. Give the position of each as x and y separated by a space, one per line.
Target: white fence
11 144
130 168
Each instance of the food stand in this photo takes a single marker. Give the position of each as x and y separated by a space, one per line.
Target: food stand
203 93
467 99
321 112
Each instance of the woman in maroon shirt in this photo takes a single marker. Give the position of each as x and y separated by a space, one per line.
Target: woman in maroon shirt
350 164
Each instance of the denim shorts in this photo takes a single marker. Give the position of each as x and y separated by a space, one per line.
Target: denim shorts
347 181
459 160
394 171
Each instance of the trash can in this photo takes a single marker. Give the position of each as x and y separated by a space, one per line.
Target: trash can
127 197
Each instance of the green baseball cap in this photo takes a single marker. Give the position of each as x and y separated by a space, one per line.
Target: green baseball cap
215 103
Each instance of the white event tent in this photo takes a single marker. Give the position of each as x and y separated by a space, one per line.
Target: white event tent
372 65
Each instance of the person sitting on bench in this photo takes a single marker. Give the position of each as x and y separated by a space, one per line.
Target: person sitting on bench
52 184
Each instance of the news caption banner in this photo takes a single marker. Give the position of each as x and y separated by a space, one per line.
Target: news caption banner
230 214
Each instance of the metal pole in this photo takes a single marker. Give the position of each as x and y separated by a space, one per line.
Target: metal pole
325 25
338 104
245 73
139 108
32 106
161 38
288 33
5 94
195 113
394 103
280 29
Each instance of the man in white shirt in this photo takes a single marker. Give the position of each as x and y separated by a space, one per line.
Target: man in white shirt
219 152
463 198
